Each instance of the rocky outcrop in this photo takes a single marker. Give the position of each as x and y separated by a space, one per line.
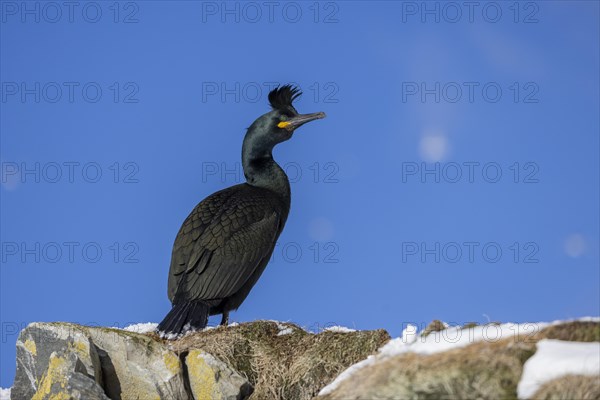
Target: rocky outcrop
53 357
273 360
262 360
484 369
63 361
480 371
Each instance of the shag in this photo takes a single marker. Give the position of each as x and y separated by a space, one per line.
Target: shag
225 243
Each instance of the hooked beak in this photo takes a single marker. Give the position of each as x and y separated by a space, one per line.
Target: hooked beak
300 120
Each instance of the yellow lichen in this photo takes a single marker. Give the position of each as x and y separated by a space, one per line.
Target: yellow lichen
53 375
202 377
172 362
81 348
30 346
60 396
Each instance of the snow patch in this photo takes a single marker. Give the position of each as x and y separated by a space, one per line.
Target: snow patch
450 338
144 327
283 330
556 358
340 329
188 330
372 359
169 336
5 394
455 337
409 334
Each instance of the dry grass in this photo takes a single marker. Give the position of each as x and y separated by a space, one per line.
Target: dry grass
293 366
480 371
570 387
298 365
577 331
483 370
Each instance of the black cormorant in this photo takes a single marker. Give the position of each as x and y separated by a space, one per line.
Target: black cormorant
227 240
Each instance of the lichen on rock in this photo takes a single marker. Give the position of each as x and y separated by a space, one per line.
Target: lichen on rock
64 379
63 361
118 364
210 378
36 346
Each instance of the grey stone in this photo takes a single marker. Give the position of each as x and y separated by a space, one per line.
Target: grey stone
123 365
38 342
66 379
210 378
138 367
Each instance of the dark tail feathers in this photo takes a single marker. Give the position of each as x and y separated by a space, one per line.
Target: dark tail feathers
189 315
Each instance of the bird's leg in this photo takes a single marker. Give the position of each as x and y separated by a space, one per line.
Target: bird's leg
225 319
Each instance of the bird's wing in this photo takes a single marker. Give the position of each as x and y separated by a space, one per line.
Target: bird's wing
213 257
205 214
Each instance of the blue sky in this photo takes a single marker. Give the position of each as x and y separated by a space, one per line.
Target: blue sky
455 177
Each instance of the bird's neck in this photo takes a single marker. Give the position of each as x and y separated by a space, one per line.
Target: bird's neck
261 170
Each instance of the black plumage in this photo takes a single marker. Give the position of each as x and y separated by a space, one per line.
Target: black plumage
226 242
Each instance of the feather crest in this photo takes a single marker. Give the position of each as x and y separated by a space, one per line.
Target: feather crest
283 96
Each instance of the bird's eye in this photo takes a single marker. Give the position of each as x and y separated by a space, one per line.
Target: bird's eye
283 122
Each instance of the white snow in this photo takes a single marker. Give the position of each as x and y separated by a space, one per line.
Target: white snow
556 358
170 336
455 337
340 329
145 327
409 334
372 359
5 394
448 339
283 330
187 330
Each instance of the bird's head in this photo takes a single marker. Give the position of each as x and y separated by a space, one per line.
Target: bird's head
279 124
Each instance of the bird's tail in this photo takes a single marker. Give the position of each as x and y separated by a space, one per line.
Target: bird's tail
185 316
